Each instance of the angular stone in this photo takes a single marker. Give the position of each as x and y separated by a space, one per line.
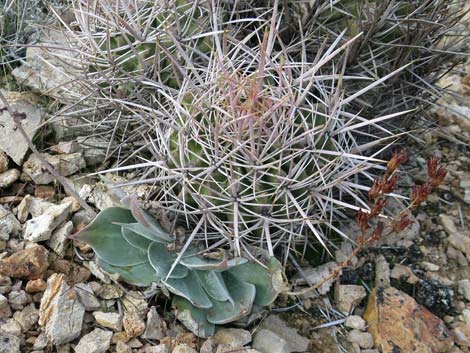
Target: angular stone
97 341
109 320
29 263
183 348
133 324
18 299
233 337
41 227
398 323
156 327
355 322
9 225
64 164
36 286
363 339
9 343
59 238
267 341
462 335
61 313
87 297
11 327
295 342
320 274
27 318
348 296
464 288
24 103
41 342
9 177
3 161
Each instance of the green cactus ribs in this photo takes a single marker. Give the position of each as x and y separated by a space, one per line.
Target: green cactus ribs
209 288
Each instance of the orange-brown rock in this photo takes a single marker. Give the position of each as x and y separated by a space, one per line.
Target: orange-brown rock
29 263
399 324
36 286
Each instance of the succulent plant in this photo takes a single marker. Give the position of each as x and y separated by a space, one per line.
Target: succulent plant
209 288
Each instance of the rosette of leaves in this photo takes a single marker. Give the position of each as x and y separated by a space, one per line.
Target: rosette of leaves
210 289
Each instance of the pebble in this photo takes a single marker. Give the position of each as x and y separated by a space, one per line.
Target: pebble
464 288
363 339
317 275
18 299
428 266
9 343
121 347
404 272
40 342
133 324
3 162
59 238
29 263
87 297
61 313
109 320
9 177
97 341
11 327
462 335
183 348
233 337
40 227
382 272
355 322
27 318
9 225
348 296
267 341
155 327
295 342
36 286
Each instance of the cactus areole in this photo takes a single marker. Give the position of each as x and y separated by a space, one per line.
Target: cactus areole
209 290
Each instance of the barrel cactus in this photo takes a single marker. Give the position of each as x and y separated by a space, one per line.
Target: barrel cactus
210 288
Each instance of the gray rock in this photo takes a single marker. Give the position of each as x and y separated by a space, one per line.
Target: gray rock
40 342
27 318
3 161
233 337
109 320
382 272
87 297
61 312
267 341
18 299
64 164
66 147
295 342
156 327
9 177
9 225
464 288
317 275
363 339
59 238
23 103
97 341
11 327
121 347
348 296
94 149
9 343
355 322
41 227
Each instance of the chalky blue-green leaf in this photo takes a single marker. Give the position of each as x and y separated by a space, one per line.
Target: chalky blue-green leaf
105 237
189 288
142 275
146 232
161 260
214 285
135 239
201 263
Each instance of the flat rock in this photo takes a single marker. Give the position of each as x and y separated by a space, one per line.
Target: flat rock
399 324
64 164
24 103
109 320
18 299
40 227
233 337
156 327
363 339
27 318
29 263
464 288
59 238
61 313
9 177
295 342
267 341
462 335
87 297
9 343
348 296
97 341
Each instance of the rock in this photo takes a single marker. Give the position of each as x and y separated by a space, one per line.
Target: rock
208 346
24 103
156 327
41 227
428 266
9 225
94 149
11 327
86 297
382 272
183 348
295 342
459 240
29 263
97 272
462 335
18 299
97 341
355 322
110 291
464 288
9 177
109 320
161 348
317 275
404 272
61 313
66 147
121 347
135 302
9 343
64 164
41 342
233 337
363 339
27 318
398 323
59 238
348 296
435 296
3 161
36 286
133 324
447 223
267 341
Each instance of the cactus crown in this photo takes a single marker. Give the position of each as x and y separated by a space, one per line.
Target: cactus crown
210 288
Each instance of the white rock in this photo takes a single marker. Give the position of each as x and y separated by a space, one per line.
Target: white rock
317 275
18 299
66 147
97 341
41 342
27 318
295 342
61 313
267 341
348 296
233 337
109 320
9 343
59 238
11 327
155 328
64 164
9 177
363 339
97 272
9 225
41 227
24 103
464 288
355 322
428 266
87 297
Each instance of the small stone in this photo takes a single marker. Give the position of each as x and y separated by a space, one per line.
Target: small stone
18 299
121 347
97 272
87 297
462 335
36 286
267 341
318 275
233 337
44 192
29 263
134 301
156 327
40 342
382 272
27 318
109 320
97 341
3 162
119 337
66 147
41 227
404 272
64 164
428 266
133 324
183 348
208 346
355 322
110 291
363 339
11 327
161 348
9 177
9 343
295 342
348 296
61 313
464 288
9 225
59 238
